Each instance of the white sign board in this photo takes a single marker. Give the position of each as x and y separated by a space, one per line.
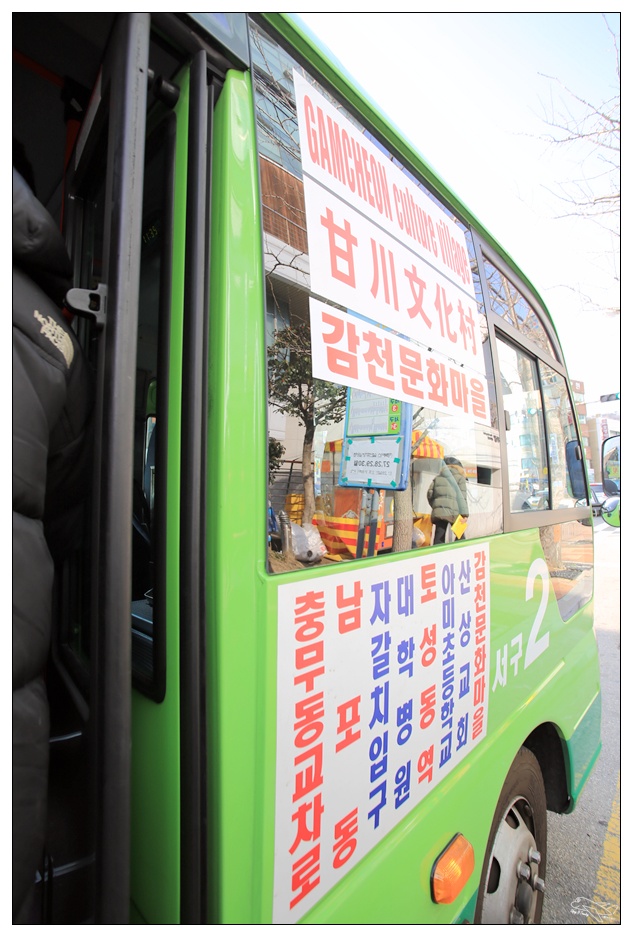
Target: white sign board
377 244
382 689
355 353
372 462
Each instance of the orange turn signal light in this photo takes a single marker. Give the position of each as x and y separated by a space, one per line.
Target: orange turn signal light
452 870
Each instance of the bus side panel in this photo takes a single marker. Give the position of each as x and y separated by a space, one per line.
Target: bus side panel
391 884
549 665
240 635
534 651
584 747
155 886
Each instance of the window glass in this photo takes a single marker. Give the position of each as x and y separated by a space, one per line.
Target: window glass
276 110
562 438
507 302
611 462
88 227
524 421
354 304
150 423
146 371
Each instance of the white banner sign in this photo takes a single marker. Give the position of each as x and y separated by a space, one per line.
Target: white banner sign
378 244
350 351
382 689
363 269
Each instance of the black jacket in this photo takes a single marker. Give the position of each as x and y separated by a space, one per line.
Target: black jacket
51 407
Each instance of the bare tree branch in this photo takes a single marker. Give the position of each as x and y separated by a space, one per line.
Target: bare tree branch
592 132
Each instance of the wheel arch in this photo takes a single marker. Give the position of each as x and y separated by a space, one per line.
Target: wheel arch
546 743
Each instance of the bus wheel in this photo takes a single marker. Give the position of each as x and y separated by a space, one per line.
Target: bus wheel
512 884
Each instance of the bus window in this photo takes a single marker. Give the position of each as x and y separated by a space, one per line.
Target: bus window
150 421
458 418
526 447
567 479
543 452
509 303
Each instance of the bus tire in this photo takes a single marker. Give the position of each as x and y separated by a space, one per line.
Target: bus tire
512 883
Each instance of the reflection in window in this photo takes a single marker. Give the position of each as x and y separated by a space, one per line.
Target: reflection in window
511 305
276 108
612 466
455 470
561 435
150 419
526 450
315 405
306 416
568 551
90 207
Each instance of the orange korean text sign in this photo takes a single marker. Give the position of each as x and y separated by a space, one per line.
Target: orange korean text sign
350 351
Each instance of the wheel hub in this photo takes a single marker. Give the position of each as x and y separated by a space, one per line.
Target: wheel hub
513 882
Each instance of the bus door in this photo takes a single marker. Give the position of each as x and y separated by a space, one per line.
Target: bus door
141 196
93 648
127 781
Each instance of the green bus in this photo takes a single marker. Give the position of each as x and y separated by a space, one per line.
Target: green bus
326 651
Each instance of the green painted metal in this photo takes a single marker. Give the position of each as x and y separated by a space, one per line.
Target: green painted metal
241 632
582 753
392 883
155 858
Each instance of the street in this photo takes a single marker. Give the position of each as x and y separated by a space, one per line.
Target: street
583 873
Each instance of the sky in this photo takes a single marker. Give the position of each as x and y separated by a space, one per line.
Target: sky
473 93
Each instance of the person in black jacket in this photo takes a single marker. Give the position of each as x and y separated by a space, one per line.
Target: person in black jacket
51 450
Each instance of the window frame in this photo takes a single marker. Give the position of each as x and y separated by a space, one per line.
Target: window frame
513 522
484 249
